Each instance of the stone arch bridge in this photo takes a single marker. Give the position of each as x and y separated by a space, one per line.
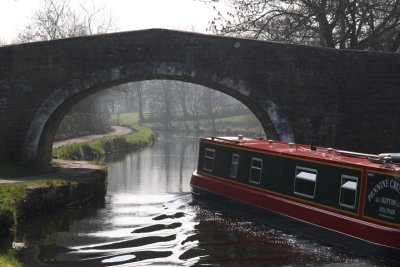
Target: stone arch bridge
347 99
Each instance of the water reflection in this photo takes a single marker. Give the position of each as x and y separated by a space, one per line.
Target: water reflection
126 228
148 218
166 168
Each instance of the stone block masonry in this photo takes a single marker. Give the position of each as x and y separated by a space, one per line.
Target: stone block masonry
346 99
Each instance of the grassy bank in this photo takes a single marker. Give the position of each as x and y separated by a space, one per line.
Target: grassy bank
99 149
28 198
9 259
246 124
13 193
22 198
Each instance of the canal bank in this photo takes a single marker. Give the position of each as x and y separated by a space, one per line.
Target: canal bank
26 193
125 139
69 184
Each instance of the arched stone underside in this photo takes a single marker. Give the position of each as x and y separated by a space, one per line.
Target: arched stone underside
345 99
40 135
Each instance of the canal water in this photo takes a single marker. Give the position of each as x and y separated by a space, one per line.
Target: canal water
149 219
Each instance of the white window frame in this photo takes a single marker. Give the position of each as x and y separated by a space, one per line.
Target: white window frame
351 180
253 159
234 165
305 174
208 157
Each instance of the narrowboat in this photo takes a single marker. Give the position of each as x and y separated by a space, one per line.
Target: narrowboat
345 198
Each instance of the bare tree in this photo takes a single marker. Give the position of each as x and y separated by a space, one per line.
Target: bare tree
212 101
194 105
168 103
182 90
140 100
162 100
57 19
97 19
115 100
354 24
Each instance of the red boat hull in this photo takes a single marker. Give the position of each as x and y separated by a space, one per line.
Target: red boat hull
383 239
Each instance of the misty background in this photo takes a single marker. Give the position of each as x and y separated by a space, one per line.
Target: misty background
164 105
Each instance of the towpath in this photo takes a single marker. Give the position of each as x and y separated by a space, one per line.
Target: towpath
117 130
68 168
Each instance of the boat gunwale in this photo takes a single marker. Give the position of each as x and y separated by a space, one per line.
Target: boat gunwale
393 250
390 229
354 215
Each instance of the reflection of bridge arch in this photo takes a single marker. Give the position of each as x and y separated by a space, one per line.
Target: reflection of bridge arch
295 91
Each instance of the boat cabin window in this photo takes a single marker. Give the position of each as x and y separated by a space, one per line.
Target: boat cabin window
234 165
255 171
305 181
348 191
209 156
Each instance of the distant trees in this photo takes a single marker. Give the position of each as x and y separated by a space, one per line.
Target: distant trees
85 119
162 100
352 24
166 101
212 101
138 87
57 19
194 105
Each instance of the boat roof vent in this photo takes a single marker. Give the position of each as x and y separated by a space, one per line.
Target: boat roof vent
352 185
292 146
395 157
307 176
387 162
270 141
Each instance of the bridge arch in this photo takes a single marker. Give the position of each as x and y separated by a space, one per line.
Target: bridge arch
347 99
40 135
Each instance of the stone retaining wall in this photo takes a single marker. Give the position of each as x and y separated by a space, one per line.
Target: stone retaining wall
88 187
